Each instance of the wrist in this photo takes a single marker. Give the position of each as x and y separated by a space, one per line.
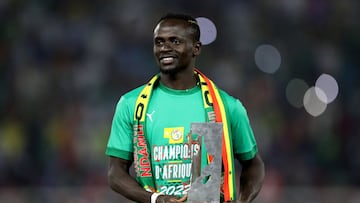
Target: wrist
154 197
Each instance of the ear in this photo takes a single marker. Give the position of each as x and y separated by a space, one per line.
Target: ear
197 48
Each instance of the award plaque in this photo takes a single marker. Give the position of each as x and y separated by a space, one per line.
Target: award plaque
205 182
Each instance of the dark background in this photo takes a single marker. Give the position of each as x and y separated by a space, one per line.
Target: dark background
64 65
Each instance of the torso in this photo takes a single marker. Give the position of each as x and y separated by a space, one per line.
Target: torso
168 120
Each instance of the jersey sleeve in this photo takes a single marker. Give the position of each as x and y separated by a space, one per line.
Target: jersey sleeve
120 143
244 143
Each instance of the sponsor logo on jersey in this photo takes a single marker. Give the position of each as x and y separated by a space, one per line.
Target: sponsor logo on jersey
175 135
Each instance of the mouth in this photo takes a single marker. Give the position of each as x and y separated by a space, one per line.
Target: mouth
167 59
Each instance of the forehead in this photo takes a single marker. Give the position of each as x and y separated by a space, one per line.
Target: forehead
173 27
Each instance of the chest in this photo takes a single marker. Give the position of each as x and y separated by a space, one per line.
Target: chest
169 116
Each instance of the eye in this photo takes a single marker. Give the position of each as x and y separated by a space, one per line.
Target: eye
158 42
176 41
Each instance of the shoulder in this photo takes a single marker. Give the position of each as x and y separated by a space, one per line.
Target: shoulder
227 98
231 103
134 93
129 98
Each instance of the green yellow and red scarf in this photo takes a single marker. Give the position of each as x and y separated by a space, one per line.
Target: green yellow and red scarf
213 104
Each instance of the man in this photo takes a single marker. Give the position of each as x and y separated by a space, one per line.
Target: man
151 124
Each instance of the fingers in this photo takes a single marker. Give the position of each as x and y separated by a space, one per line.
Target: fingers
166 199
183 198
170 199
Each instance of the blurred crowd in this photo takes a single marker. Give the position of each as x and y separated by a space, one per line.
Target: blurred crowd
64 65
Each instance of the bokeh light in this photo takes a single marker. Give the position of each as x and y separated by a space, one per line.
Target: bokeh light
267 58
328 85
208 30
295 91
313 105
82 56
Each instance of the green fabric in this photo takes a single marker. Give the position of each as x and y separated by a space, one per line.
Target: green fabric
119 153
170 112
243 138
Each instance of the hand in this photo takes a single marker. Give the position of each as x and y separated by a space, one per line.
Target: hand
170 199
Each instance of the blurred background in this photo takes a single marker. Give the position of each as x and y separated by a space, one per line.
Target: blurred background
64 65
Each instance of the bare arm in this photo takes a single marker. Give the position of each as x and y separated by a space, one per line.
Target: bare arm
121 182
251 178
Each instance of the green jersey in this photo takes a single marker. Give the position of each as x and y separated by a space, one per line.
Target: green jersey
169 115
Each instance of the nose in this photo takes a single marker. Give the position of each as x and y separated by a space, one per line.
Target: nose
166 46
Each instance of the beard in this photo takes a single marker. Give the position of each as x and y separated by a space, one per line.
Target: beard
173 70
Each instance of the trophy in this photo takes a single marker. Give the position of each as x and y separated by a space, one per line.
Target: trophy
205 183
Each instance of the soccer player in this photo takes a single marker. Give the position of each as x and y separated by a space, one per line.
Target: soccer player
151 124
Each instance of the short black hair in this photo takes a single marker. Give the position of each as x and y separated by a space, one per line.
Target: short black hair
185 17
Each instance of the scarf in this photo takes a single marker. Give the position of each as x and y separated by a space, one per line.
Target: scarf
215 112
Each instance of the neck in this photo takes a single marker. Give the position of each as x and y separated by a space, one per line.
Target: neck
181 80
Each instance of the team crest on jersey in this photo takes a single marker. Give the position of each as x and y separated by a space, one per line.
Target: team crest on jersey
175 135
